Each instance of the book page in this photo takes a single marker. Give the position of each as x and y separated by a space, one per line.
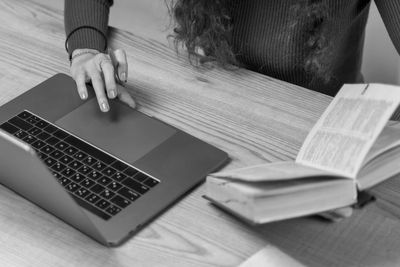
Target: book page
379 169
347 129
275 171
388 139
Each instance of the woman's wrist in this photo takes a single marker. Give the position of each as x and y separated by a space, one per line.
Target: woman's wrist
83 51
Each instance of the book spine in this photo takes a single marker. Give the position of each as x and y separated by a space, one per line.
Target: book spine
226 196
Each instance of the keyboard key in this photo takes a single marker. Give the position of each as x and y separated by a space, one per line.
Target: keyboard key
52 140
150 182
67 172
102 204
82 192
94 175
41 124
92 151
20 123
119 176
120 201
58 167
80 155
87 183
72 187
99 166
60 134
11 129
61 145
77 177
24 115
75 165
129 194
32 119
140 177
50 129
49 162
89 161
64 181
43 136
138 187
107 194
97 188
57 154
84 169
20 134
92 209
47 149
104 180
29 139
113 210
109 171
92 198
66 159
71 151
38 144
34 131
130 171
120 166
114 186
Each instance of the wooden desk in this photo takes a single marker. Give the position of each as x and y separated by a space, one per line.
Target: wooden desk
252 117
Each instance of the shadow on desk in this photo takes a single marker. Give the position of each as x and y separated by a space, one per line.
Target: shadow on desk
361 240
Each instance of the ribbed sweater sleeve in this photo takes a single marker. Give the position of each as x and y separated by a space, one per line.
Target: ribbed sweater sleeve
390 13
91 13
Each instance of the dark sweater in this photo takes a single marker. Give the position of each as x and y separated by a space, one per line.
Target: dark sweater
260 36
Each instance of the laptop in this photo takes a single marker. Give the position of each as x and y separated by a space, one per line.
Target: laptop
106 174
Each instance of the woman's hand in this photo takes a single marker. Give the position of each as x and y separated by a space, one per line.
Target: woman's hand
90 65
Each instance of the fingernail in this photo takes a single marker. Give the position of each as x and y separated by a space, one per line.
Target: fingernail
83 96
113 94
123 76
104 106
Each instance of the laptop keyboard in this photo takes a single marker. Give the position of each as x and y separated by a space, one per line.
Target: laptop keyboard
96 180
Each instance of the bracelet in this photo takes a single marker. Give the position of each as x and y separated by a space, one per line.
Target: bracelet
83 52
83 27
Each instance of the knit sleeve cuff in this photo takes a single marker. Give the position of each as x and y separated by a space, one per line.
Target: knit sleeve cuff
86 24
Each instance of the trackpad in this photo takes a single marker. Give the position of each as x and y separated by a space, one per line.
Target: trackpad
123 132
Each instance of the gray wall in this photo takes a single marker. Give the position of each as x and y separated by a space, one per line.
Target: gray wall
381 60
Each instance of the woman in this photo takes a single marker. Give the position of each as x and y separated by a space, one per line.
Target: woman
316 44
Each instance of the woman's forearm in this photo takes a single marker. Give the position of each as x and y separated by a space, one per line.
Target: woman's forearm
86 23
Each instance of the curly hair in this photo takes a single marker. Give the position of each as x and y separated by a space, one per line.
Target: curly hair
204 27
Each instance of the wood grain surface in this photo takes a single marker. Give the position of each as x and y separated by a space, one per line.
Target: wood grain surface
252 117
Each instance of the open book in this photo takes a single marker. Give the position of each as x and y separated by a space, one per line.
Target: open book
351 148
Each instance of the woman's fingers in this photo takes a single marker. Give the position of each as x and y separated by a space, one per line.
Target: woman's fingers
108 74
98 85
104 65
125 97
122 64
80 80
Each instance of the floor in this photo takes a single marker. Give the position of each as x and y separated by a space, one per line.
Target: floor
150 18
